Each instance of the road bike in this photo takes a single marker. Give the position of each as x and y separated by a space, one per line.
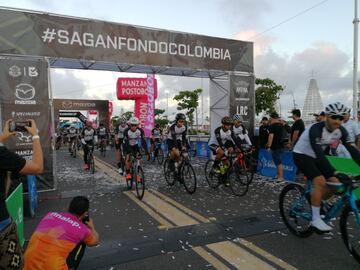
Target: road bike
295 210
183 172
137 174
90 158
158 153
73 148
232 172
103 147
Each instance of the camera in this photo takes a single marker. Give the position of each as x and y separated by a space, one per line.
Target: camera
19 126
85 219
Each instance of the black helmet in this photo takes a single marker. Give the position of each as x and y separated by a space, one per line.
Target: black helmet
226 120
157 125
180 116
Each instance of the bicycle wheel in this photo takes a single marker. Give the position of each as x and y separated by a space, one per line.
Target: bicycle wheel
238 180
295 210
189 177
250 164
350 232
169 174
159 153
211 177
140 182
103 150
91 164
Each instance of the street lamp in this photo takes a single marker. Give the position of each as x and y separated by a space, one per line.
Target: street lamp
167 101
355 59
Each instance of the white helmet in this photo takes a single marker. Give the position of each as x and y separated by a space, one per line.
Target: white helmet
134 121
336 108
237 117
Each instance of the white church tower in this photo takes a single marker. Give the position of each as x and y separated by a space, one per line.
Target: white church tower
313 103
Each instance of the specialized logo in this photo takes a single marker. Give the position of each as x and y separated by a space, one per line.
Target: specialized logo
67 104
25 93
23 138
14 71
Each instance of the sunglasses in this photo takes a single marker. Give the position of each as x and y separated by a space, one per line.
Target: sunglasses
181 121
134 125
337 117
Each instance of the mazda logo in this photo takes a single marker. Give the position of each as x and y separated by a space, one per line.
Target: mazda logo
25 91
67 104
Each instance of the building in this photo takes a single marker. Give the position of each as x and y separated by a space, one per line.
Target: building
313 103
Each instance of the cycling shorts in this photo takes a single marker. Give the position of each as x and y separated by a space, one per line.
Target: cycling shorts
309 166
131 149
171 144
214 147
118 143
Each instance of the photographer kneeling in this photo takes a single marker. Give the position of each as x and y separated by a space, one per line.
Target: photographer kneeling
58 234
10 249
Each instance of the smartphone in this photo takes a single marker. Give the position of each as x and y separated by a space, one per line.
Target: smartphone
19 126
85 219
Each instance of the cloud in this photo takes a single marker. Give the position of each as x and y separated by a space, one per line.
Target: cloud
332 69
260 45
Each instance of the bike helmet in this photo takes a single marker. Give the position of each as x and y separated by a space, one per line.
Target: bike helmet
348 110
226 120
157 126
336 108
134 121
122 120
180 116
88 123
237 117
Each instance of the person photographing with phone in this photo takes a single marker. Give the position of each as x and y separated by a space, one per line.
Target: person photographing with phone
10 249
58 234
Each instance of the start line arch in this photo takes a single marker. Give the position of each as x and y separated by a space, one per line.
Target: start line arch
32 42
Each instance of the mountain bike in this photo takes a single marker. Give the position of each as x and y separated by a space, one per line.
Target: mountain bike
184 172
295 210
231 173
137 175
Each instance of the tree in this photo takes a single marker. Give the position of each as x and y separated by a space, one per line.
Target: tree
189 101
160 118
127 115
266 95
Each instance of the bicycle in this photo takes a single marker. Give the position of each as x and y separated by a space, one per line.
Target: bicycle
90 159
234 173
184 172
73 148
295 211
103 147
137 175
247 161
158 153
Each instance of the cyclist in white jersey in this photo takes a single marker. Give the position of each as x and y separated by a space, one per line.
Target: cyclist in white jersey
72 135
240 130
88 140
119 142
352 128
309 153
156 135
102 134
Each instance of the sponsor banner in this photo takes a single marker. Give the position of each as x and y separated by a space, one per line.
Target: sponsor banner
242 99
24 94
266 166
65 37
150 117
134 88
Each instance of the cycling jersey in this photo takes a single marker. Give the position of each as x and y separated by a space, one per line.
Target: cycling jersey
353 130
317 141
88 135
133 137
178 133
119 131
242 133
156 133
221 137
72 132
102 131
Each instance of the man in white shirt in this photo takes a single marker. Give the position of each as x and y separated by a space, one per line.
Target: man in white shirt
352 128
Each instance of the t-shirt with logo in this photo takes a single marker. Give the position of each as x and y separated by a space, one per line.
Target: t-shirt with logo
54 238
102 131
88 135
120 131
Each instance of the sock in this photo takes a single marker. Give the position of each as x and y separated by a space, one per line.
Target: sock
315 212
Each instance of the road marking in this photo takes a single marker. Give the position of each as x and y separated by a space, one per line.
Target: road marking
238 257
164 224
266 254
217 264
181 207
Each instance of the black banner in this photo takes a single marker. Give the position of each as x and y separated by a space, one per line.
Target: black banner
242 99
24 33
78 115
24 94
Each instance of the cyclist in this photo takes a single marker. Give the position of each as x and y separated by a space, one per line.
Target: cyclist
132 136
88 140
223 138
73 135
176 139
156 135
112 135
240 131
119 142
102 134
309 156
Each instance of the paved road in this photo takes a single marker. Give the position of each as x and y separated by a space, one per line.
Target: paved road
172 229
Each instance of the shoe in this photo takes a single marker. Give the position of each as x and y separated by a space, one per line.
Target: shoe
278 180
216 169
128 177
320 225
226 183
120 171
86 167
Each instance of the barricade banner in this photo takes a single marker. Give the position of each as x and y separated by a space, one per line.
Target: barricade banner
14 204
266 166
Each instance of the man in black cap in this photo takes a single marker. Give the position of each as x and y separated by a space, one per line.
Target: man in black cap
319 117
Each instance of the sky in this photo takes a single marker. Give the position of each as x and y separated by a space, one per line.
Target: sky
292 40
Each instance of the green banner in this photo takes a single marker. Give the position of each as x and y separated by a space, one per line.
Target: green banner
344 165
15 207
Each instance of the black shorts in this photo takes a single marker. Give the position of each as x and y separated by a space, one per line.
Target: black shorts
213 147
118 143
131 149
102 137
171 144
310 166
152 141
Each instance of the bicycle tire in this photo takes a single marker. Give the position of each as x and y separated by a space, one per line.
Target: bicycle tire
250 164
350 231
187 173
160 156
296 211
212 178
140 183
91 164
238 180
169 175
